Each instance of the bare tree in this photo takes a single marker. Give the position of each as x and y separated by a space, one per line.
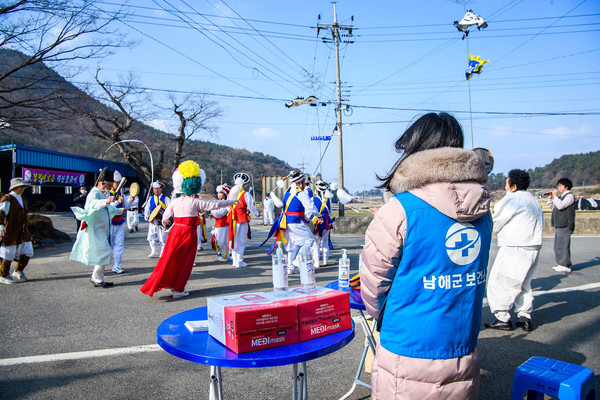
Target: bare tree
195 114
114 124
50 32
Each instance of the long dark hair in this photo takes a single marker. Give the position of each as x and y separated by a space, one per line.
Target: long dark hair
430 131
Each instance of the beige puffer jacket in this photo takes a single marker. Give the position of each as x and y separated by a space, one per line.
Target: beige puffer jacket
453 181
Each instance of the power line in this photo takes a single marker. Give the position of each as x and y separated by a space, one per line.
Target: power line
535 133
207 15
275 35
533 35
564 77
285 54
557 113
484 87
480 112
537 34
523 28
413 63
489 20
178 14
184 55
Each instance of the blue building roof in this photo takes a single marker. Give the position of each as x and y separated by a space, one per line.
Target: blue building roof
34 157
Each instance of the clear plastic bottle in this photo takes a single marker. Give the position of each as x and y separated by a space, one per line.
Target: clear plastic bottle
280 273
307 270
344 271
360 262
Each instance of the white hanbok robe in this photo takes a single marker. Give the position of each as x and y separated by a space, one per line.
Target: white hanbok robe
91 246
133 218
221 233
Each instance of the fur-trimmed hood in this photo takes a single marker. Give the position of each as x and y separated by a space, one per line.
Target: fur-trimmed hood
446 164
450 179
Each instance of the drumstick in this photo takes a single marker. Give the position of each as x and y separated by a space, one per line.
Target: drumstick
121 184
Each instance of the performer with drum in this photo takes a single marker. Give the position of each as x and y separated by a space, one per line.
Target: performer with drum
175 264
133 218
153 213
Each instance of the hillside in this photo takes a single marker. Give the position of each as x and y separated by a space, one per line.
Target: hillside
581 169
39 117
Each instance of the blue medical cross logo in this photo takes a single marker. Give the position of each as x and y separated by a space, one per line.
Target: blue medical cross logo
464 240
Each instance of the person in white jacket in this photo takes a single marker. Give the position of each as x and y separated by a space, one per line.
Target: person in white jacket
518 221
268 207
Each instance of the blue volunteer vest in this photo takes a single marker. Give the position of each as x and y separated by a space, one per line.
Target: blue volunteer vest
295 206
433 308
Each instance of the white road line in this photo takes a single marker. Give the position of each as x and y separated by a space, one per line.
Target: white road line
553 291
7 362
565 290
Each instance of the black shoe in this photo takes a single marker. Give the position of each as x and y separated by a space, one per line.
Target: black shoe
136 228
503 326
101 284
131 231
525 324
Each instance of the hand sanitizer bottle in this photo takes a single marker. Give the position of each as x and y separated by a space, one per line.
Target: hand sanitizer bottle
307 270
344 271
280 273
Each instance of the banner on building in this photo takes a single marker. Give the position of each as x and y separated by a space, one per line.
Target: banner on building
43 176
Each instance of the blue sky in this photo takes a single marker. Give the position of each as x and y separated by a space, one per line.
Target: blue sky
406 58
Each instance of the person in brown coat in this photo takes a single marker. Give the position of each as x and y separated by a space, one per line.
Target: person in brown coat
14 237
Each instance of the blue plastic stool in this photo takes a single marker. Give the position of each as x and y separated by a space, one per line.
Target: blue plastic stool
540 375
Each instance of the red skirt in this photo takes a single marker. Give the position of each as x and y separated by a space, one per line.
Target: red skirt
174 266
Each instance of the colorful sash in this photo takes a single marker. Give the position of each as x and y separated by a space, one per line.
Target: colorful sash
326 219
156 202
117 219
203 225
280 225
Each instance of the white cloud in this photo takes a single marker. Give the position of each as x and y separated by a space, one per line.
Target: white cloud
161 124
262 133
584 129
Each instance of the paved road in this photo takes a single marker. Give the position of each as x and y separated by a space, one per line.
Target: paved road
112 331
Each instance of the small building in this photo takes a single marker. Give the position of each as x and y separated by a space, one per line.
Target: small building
54 176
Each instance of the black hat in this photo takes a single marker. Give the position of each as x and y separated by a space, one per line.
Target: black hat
243 176
296 176
106 175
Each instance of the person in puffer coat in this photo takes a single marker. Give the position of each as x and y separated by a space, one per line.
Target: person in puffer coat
424 266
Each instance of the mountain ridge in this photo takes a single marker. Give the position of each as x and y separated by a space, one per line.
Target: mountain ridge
60 129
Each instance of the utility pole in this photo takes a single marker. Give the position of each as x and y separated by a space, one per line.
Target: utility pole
336 37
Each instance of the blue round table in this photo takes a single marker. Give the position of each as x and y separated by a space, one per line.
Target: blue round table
356 303
201 348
